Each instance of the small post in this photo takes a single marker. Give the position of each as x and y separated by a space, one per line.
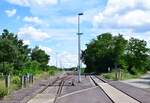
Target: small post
22 81
7 81
116 73
25 81
119 74
108 69
30 78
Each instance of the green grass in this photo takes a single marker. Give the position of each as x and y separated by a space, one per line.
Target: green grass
15 81
124 75
43 74
13 86
3 91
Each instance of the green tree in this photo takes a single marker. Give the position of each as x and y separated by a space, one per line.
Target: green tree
104 52
120 45
40 56
7 55
13 50
32 67
136 55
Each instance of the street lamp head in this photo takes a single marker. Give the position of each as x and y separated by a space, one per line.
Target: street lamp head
80 14
79 33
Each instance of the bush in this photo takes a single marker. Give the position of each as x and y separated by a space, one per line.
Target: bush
51 72
7 69
3 91
16 80
110 76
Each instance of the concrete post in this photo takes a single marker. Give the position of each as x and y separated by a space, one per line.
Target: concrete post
7 81
116 72
30 78
22 81
25 81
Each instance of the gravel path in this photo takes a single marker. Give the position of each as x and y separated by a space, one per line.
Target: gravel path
143 82
23 95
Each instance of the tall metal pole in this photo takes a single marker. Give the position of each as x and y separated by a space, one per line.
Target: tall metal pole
79 49
56 59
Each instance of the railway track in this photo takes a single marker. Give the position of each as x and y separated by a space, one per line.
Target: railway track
114 94
51 92
60 88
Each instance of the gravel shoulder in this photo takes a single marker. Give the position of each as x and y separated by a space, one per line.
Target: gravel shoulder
142 82
25 94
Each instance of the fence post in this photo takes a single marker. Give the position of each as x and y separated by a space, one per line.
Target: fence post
7 81
22 81
30 78
116 72
25 81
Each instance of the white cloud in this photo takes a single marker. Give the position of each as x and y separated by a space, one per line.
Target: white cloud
26 42
117 6
62 34
19 2
135 18
46 49
33 33
72 19
86 17
69 59
31 19
63 59
10 13
30 3
44 2
119 14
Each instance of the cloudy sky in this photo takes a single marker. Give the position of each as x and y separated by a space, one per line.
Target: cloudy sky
52 24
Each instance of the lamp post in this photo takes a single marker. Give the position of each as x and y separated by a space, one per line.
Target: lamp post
56 59
79 47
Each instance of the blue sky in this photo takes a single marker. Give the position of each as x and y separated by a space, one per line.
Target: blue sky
52 24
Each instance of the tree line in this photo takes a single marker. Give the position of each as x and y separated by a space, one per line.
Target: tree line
108 51
18 58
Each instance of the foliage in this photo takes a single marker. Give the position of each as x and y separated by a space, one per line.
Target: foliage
16 57
51 72
16 80
6 68
3 91
136 55
125 75
107 51
12 50
40 56
103 52
32 67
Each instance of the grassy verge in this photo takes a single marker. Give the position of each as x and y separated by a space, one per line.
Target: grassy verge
16 84
124 75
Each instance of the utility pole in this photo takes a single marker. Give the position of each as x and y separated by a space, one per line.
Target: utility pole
56 59
79 49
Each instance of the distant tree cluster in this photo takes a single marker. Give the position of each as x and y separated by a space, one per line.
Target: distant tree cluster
16 57
107 50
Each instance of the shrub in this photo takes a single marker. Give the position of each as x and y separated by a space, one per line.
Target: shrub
16 80
51 72
3 91
7 69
